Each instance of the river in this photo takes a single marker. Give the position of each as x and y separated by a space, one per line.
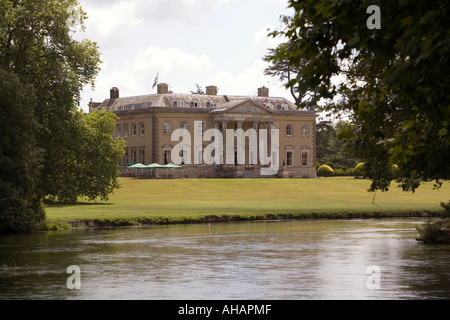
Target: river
271 260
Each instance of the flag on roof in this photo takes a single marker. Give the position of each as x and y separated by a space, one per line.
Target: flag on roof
155 82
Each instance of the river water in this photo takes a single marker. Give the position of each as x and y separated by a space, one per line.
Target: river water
325 259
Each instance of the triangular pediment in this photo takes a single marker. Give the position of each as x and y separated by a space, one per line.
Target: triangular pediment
247 106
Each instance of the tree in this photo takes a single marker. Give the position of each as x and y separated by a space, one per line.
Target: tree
330 148
20 157
282 67
49 68
91 154
396 82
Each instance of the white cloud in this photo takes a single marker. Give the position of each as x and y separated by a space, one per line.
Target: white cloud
139 38
136 76
262 42
106 21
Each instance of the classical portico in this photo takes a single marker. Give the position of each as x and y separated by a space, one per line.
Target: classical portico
248 116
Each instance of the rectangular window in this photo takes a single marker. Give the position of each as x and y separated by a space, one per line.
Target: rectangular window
305 131
119 132
200 127
142 128
305 158
167 128
167 156
125 157
133 156
142 156
184 126
133 129
178 104
274 158
125 131
289 158
289 130
199 157
252 157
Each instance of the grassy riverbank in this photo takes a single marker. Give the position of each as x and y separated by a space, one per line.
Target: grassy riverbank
203 200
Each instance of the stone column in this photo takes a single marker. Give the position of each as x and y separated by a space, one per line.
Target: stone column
224 135
255 125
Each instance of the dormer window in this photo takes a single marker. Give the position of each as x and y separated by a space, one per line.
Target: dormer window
178 104
194 104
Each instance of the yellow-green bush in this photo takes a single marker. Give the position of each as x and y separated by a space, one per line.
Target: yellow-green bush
325 171
359 169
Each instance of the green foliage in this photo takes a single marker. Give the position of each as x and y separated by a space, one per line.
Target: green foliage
43 69
330 164
359 170
339 173
430 231
90 156
446 207
280 66
396 88
20 207
437 230
325 171
101 153
330 150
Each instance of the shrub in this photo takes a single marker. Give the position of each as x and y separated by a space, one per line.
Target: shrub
430 231
350 172
359 169
317 165
340 173
325 171
446 207
330 164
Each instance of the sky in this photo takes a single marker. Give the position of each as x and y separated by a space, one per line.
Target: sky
185 42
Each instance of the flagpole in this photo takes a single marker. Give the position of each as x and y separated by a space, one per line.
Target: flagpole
156 82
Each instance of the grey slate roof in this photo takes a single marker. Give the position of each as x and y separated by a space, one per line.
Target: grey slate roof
192 101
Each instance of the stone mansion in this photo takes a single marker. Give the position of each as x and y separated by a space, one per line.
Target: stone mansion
147 124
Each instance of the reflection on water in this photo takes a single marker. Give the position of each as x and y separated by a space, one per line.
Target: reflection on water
251 260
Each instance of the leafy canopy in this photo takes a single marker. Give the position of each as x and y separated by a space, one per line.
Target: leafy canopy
46 144
396 81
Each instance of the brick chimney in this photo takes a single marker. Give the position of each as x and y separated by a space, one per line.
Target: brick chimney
114 93
163 88
263 92
211 91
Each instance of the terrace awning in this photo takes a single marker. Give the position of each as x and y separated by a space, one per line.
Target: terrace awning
155 166
172 166
138 166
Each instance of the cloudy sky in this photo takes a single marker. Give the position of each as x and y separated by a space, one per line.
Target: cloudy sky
186 42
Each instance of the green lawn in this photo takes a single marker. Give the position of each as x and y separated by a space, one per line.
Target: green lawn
203 197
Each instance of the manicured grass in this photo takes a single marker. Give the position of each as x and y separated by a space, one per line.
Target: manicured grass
197 198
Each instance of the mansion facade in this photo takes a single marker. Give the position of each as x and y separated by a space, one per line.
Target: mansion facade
147 124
